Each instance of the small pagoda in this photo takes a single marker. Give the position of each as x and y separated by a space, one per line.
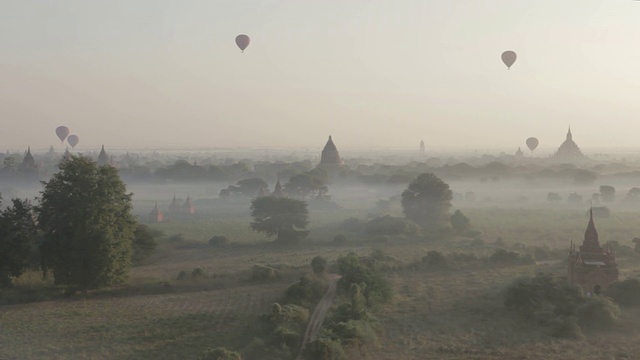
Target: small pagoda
278 192
187 207
28 162
103 159
330 155
156 216
592 267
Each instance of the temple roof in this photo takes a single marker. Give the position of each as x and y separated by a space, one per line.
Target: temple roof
330 153
28 158
569 149
102 157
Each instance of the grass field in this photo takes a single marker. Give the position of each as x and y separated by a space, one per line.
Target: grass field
454 315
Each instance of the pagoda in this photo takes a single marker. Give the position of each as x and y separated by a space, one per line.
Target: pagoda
592 267
156 216
278 192
28 162
187 208
174 207
569 150
330 155
103 159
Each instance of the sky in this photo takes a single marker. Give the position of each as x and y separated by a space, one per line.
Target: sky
371 73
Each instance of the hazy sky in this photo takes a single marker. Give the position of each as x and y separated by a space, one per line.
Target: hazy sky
372 73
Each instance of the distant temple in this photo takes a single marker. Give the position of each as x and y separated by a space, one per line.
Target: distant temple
28 162
592 267
422 150
103 159
519 153
278 192
156 216
330 155
66 155
569 151
174 207
187 208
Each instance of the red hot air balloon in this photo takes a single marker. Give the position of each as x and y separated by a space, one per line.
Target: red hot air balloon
508 58
532 143
242 41
73 140
62 132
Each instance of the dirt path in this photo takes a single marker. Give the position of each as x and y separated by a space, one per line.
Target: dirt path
317 318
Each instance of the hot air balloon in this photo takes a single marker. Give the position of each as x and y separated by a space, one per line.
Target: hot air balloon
508 58
532 143
242 41
73 140
62 132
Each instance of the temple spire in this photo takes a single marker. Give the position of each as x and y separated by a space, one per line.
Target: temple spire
569 135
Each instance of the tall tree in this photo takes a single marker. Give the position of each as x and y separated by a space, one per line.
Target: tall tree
18 234
283 217
427 201
85 214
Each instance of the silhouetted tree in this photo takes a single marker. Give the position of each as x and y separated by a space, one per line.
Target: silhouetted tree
608 193
459 222
427 201
85 214
18 233
283 217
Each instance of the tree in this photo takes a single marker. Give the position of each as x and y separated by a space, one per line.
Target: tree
318 264
552 196
608 193
145 240
427 201
459 222
309 184
85 215
18 233
283 217
633 196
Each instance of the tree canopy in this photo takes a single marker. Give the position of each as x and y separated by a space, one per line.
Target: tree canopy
18 233
85 216
427 201
283 217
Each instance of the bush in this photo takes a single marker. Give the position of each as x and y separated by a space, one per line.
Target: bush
566 327
182 275
176 238
218 240
324 349
435 261
318 264
504 257
598 312
532 295
354 271
353 225
265 273
220 353
625 293
197 273
145 241
306 292
284 337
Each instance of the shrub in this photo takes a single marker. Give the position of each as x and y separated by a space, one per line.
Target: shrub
318 264
324 349
265 273
182 275
459 222
353 225
284 337
176 238
532 295
220 353
625 293
197 273
306 292
353 271
218 240
566 327
435 261
598 312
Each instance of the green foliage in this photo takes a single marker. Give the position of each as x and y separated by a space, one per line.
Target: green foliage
318 264
459 222
504 257
339 239
307 185
598 312
85 215
282 217
388 225
218 240
145 241
18 232
435 261
625 293
197 273
427 201
220 353
566 327
306 292
531 295
324 348
354 271
264 273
